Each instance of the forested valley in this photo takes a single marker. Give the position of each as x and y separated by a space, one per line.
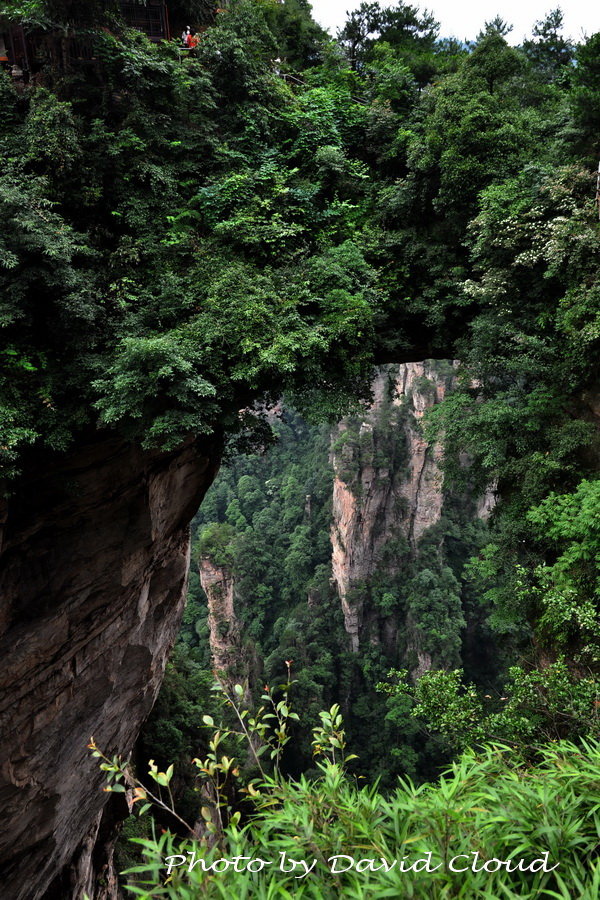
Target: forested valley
336 302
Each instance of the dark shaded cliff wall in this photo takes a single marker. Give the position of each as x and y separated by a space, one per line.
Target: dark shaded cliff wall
93 569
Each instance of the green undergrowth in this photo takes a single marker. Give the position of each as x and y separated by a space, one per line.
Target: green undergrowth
489 808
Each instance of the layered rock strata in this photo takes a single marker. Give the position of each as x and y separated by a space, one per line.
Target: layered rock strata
93 572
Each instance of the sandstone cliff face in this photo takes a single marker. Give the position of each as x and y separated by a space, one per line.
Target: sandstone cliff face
225 631
387 491
93 572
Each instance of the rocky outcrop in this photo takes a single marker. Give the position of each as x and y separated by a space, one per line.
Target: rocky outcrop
387 488
225 630
93 573
486 503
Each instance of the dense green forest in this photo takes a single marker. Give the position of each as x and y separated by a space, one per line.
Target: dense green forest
266 522
225 244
